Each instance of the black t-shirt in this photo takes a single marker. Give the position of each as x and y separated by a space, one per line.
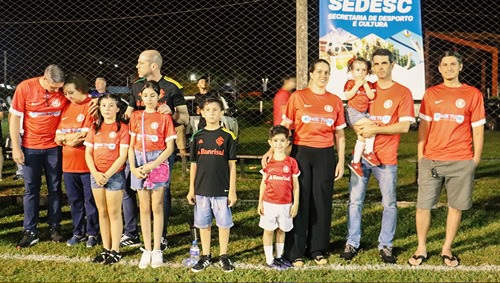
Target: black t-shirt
212 151
172 94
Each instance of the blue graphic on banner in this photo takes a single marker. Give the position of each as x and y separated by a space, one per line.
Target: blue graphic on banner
358 27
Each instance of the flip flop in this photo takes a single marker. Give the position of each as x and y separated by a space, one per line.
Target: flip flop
298 262
453 261
417 260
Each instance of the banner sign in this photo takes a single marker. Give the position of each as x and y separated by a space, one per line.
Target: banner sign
358 27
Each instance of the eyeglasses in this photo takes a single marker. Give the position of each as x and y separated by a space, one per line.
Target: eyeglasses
433 173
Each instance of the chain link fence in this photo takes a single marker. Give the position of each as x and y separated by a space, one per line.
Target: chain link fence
237 44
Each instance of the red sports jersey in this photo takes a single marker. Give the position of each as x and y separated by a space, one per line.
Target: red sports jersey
106 144
75 118
390 106
360 100
315 117
41 110
279 181
279 104
158 129
451 112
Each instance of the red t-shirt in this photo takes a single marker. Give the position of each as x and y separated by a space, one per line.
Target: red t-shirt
315 117
75 118
360 100
279 104
390 106
451 113
106 144
159 129
279 181
41 111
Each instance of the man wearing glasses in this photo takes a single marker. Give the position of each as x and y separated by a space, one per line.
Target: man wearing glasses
40 100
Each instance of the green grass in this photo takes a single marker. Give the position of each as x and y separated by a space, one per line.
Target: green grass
477 242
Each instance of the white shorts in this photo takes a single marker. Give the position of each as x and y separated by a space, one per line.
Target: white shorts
276 215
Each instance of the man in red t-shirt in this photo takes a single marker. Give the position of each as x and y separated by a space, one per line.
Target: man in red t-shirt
40 101
392 113
450 143
281 98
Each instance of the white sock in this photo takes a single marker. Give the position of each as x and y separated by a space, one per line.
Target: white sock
279 249
369 144
358 151
268 250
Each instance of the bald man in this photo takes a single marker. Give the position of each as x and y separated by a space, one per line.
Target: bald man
171 102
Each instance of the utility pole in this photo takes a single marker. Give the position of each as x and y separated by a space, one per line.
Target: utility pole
301 44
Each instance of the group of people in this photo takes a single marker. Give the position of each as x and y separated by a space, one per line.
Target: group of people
68 132
450 142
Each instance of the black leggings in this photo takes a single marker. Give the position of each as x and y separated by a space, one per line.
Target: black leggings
311 229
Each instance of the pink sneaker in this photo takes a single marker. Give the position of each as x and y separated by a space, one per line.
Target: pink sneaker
356 168
371 158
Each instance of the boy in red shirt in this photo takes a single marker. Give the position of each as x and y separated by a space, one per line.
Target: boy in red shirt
277 206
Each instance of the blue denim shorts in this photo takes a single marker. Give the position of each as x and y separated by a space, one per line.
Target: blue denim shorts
138 184
115 183
207 207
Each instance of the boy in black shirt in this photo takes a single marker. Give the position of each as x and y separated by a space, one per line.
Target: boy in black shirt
212 186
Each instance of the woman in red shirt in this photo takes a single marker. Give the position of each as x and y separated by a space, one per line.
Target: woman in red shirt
318 119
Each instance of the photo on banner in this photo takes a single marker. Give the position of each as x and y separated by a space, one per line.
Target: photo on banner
358 27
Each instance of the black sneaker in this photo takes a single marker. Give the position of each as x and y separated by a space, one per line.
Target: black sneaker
113 258
203 262
386 255
226 263
127 241
29 239
55 234
163 244
100 258
349 252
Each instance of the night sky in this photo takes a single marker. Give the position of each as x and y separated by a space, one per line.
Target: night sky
231 40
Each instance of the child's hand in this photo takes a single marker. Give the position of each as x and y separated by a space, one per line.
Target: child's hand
138 172
260 209
359 82
231 199
293 210
191 198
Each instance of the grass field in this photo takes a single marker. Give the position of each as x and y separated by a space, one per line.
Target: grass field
477 243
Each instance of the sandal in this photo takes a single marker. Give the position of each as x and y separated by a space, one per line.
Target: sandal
417 260
453 261
298 262
320 260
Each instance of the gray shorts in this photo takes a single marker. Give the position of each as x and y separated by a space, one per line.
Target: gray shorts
457 177
353 116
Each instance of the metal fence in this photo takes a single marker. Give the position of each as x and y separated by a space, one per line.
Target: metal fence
236 43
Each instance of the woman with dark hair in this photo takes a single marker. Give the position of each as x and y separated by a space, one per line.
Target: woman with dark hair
106 152
70 134
318 119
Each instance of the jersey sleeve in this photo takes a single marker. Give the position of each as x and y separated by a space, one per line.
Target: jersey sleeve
289 114
340 122
19 99
406 110
295 167
425 111
349 85
193 153
170 133
124 136
232 145
133 122
477 111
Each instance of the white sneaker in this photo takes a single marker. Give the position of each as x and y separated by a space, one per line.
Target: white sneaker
156 258
145 259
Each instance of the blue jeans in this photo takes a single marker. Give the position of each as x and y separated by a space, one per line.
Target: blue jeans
36 161
82 203
386 176
167 198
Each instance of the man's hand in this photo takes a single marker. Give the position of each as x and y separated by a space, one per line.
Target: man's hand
18 155
266 158
367 131
191 198
164 109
